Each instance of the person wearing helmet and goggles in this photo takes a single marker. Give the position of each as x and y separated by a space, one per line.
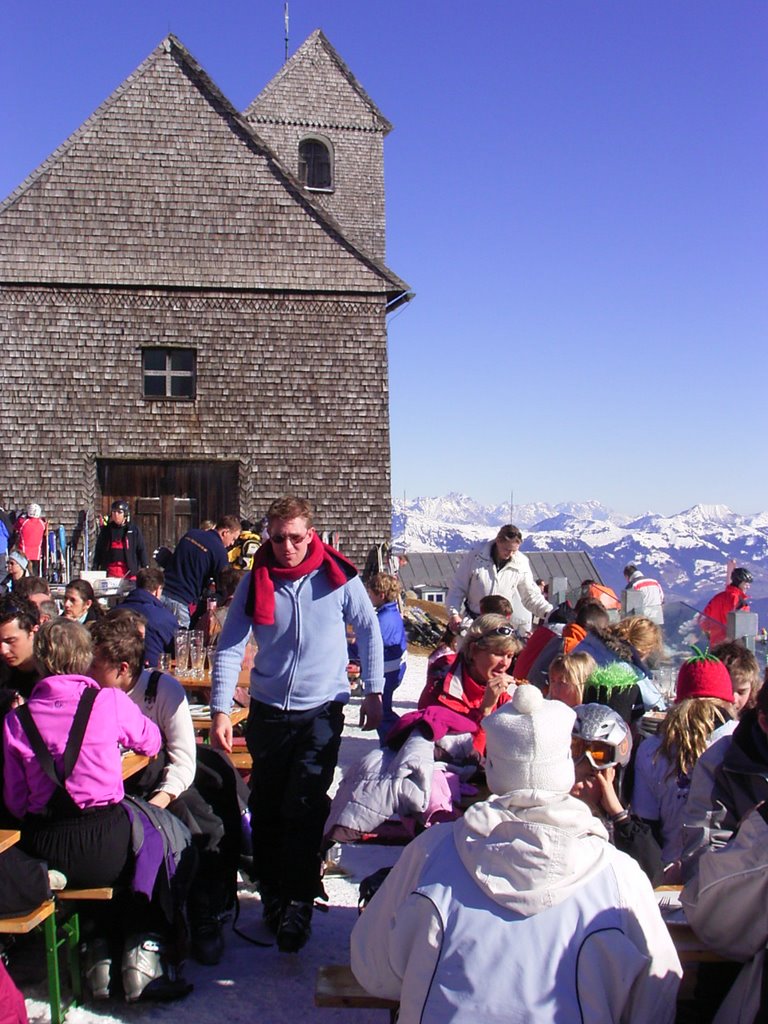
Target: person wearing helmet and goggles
601 745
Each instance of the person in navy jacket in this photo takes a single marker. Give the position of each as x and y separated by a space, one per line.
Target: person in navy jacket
162 625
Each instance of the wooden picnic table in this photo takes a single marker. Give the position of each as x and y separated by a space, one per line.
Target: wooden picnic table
203 724
8 836
197 684
132 763
192 683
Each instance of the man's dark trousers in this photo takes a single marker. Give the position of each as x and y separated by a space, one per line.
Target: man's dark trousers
294 755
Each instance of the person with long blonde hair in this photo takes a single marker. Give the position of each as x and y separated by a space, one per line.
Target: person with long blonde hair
645 636
665 763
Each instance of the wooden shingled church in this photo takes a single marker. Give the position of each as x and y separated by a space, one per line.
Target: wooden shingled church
193 305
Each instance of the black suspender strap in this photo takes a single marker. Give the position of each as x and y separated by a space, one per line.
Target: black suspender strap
150 694
77 732
42 753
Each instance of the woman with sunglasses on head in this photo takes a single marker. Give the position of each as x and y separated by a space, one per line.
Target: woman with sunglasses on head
477 680
602 746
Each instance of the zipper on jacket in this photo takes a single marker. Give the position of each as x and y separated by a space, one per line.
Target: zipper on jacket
295 594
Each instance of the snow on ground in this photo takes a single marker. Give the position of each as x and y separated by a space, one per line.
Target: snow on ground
263 985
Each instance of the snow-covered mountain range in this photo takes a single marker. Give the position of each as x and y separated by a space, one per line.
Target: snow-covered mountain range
688 552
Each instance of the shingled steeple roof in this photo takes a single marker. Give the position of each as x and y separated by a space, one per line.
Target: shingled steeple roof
331 75
167 183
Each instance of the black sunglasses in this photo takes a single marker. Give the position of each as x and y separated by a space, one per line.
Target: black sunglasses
497 631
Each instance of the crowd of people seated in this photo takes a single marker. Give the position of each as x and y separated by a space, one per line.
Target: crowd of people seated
683 805
551 874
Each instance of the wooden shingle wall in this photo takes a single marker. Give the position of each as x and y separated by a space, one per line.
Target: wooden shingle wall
294 388
160 188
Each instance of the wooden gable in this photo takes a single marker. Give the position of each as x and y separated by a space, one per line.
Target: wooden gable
167 185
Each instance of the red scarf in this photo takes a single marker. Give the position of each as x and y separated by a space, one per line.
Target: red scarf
266 572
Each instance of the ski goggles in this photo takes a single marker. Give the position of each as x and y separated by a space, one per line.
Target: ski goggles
600 755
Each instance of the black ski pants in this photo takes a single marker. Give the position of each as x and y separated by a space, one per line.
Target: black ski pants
294 756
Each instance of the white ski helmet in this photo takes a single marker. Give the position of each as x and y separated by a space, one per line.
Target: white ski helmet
601 735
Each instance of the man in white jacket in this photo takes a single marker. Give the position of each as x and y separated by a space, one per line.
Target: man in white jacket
497 567
522 910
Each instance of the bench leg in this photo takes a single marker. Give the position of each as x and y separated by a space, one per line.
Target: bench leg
52 962
71 930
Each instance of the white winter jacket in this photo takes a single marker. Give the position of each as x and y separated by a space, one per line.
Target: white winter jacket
727 906
534 857
651 596
385 783
477 577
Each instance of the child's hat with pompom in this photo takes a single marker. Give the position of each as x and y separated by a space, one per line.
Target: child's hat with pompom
529 744
703 676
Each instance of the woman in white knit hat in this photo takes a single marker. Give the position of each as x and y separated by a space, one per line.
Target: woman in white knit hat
521 910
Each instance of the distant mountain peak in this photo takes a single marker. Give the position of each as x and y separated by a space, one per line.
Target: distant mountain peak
687 552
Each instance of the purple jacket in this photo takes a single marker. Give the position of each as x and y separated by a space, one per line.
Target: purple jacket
97 777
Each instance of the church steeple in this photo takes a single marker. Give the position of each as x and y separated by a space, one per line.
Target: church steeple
328 132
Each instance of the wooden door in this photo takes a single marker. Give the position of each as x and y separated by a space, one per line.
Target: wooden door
163 520
168 498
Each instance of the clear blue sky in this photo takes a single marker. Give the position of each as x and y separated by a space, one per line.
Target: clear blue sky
576 190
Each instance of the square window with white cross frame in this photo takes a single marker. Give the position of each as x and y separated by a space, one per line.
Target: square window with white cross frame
169 373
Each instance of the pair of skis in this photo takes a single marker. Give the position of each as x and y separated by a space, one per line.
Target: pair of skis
58 555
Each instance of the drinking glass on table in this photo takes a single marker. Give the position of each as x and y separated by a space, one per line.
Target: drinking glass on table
667 683
197 652
181 647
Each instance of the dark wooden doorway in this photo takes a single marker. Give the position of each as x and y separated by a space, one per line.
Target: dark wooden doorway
168 498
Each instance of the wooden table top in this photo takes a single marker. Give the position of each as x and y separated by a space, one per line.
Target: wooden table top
196 684
8 837
133 762
204 723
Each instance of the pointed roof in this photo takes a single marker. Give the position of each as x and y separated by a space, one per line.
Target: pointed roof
330 96
166 183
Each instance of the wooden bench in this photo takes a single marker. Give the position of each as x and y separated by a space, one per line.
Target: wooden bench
100 893
336 986
44 915
241 759
8 837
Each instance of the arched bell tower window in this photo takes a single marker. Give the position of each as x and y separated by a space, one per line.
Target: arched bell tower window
315 164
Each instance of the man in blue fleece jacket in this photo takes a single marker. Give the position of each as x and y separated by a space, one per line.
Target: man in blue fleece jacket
297 600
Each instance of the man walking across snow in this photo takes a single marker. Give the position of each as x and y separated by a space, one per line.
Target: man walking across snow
297 599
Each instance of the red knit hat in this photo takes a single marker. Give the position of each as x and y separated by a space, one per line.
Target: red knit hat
704 676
